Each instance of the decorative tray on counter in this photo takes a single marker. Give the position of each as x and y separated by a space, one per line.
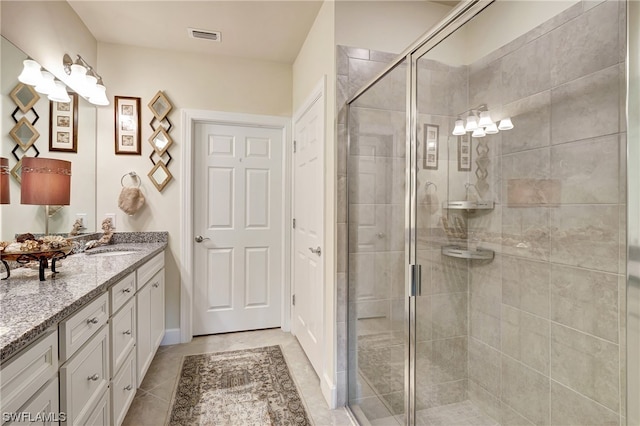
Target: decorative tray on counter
464 253
41 256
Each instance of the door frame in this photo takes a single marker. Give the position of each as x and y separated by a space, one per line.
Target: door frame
189 118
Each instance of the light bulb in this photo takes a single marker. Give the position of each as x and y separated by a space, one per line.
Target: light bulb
478 133
30 74
485 119
491 129
90 85
59 93
78 77
472 123
100 95
458 130
505 124
46 86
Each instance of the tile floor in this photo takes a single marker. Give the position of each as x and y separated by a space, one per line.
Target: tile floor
151 404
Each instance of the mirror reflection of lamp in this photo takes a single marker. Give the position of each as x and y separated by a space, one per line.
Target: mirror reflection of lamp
45 182
4 181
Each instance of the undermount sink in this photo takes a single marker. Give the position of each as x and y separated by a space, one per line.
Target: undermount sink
111 253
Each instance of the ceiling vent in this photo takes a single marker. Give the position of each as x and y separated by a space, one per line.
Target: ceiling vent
205 34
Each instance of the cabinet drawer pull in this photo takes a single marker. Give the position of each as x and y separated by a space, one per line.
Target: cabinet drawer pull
126 290
128 388
155 285
93 320
94 377
128 332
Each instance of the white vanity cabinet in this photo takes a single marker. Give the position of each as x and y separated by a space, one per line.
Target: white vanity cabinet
86 369
123 347
26 380
150 312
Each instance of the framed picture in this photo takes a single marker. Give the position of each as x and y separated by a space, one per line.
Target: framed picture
127 119
430 159
464 153
63 125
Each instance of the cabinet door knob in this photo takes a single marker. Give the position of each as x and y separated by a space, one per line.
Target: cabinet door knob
94 377
155 285
126 290
128 332
93 320
128 388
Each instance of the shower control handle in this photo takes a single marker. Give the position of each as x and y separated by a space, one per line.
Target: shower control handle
315 250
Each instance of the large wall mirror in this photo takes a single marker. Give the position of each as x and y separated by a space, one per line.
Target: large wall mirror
17 218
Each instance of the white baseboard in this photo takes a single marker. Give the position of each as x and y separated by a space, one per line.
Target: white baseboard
329 391
171 337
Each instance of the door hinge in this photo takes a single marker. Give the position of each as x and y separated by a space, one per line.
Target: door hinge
294 224
293 298
294 146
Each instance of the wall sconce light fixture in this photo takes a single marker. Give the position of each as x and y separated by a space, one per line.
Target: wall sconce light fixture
84 79
43 81
4 181
45 182
478 121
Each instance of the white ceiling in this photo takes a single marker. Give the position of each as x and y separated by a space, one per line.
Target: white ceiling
260 29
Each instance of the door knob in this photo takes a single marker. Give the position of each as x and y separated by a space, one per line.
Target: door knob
315 250
200 239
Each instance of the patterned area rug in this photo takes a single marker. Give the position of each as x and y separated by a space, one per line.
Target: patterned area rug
247 387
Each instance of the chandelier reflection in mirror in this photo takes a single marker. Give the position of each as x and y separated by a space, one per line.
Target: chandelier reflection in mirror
478 121
82 78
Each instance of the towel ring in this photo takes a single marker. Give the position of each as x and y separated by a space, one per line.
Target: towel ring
428 184
133 176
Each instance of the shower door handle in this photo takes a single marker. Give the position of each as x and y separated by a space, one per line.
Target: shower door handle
416 280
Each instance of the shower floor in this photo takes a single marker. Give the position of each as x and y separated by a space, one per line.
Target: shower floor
381 387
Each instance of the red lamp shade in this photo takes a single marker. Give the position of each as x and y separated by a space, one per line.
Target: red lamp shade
4 181
45 181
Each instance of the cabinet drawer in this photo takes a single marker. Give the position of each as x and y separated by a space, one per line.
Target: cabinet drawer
77 329
100 415
123 291
123 335
43 406
29 370
85 378
149 269
123 389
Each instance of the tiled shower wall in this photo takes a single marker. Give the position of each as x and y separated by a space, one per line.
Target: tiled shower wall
547 316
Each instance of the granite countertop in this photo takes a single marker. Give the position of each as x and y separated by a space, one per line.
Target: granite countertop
28 306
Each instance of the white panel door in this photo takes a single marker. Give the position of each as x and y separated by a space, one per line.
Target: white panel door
308 212
238 215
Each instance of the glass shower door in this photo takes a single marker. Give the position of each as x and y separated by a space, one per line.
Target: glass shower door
520 142
376 246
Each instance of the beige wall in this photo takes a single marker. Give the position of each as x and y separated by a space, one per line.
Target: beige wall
316 61
189 81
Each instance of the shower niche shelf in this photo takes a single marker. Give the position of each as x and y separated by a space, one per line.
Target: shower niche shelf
461 252
469 205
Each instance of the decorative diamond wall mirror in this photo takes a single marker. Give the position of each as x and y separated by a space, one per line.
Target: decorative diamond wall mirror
160 175
160 140
24 134
160 106
25 97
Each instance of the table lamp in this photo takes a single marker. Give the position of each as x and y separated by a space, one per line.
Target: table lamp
45 182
